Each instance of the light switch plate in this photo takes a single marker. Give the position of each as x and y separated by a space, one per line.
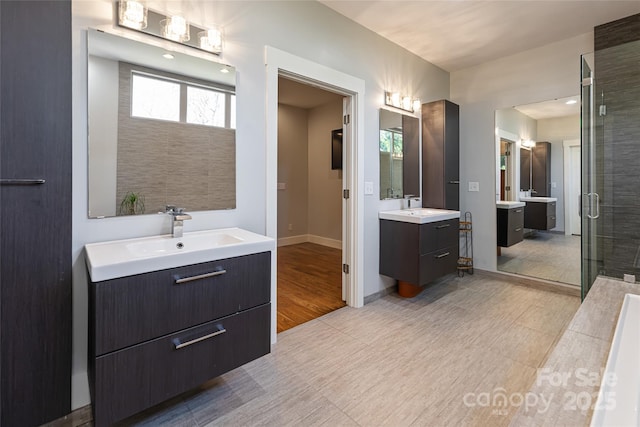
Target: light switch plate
474 186
282 186
368 188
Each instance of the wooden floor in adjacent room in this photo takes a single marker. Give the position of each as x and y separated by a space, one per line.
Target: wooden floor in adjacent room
309 283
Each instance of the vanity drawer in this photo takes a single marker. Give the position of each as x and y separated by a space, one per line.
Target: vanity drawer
551 209
516 217
165 367
439 234
134 309
438 263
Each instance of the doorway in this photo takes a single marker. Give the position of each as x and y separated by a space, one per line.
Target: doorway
280 63
310 182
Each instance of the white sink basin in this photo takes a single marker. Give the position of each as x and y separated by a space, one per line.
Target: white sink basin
119 258
507 204
539 199
419 215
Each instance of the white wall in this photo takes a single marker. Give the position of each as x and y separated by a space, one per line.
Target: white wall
306 29
293 170
325 184
548 72
103 122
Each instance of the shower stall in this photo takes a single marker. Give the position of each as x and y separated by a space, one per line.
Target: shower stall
610 197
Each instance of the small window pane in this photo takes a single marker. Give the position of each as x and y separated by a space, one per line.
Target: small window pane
205 107
386 138
155 99
233 112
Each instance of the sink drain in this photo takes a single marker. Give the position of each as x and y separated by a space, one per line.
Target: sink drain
179 245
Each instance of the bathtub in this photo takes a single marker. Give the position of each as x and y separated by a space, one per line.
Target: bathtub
619 395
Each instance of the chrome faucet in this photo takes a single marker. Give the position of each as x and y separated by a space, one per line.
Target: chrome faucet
178 216
408 199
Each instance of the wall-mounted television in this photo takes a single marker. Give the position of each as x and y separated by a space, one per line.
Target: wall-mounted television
336 149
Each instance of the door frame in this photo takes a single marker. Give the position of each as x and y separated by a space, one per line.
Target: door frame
567 144
278 62
514 139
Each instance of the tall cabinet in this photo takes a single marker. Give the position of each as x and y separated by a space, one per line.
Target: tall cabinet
441 155
35 211
535 169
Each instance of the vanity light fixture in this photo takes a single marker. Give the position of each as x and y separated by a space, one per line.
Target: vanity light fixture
132 14
211 40
528 143
175 28
406 103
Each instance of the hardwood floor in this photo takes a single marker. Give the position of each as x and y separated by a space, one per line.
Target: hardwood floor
309 283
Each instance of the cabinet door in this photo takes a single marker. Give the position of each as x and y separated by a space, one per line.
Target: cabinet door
541 175
35 219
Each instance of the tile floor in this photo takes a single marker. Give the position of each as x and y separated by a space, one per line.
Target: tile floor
396 362
545 255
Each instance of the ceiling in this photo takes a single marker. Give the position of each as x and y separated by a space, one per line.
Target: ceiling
458 34
551 109
303 96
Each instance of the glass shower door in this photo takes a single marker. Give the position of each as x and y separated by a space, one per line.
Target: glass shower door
590 198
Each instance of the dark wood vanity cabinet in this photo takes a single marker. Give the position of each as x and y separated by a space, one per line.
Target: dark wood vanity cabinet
441 155
153 336
540 215
510 226
418 253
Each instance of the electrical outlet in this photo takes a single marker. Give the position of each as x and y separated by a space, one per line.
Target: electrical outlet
290 227
474 186
282 186
554 185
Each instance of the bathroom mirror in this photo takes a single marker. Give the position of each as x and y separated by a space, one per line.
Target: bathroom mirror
399 145
547 132
161 129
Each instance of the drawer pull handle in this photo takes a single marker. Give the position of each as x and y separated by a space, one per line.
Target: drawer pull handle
518 229
518 210
443 255
10 181
443 226
178 345
199 276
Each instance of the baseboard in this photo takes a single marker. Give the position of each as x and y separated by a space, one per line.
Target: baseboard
325 241
532 282
310 238
382 293
293 240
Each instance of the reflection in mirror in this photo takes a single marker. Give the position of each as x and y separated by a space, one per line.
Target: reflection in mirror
538 177
399 146
161 129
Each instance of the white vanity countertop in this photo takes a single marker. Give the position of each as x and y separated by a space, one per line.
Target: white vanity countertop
508 204
419 215
120 258
539 199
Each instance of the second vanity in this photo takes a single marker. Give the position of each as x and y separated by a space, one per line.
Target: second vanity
510 222
539 212
419 245
157 329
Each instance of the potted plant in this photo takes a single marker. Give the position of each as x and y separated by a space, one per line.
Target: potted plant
132 204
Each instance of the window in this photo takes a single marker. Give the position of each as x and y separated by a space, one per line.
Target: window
391 142
162 98
153 98
205 106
